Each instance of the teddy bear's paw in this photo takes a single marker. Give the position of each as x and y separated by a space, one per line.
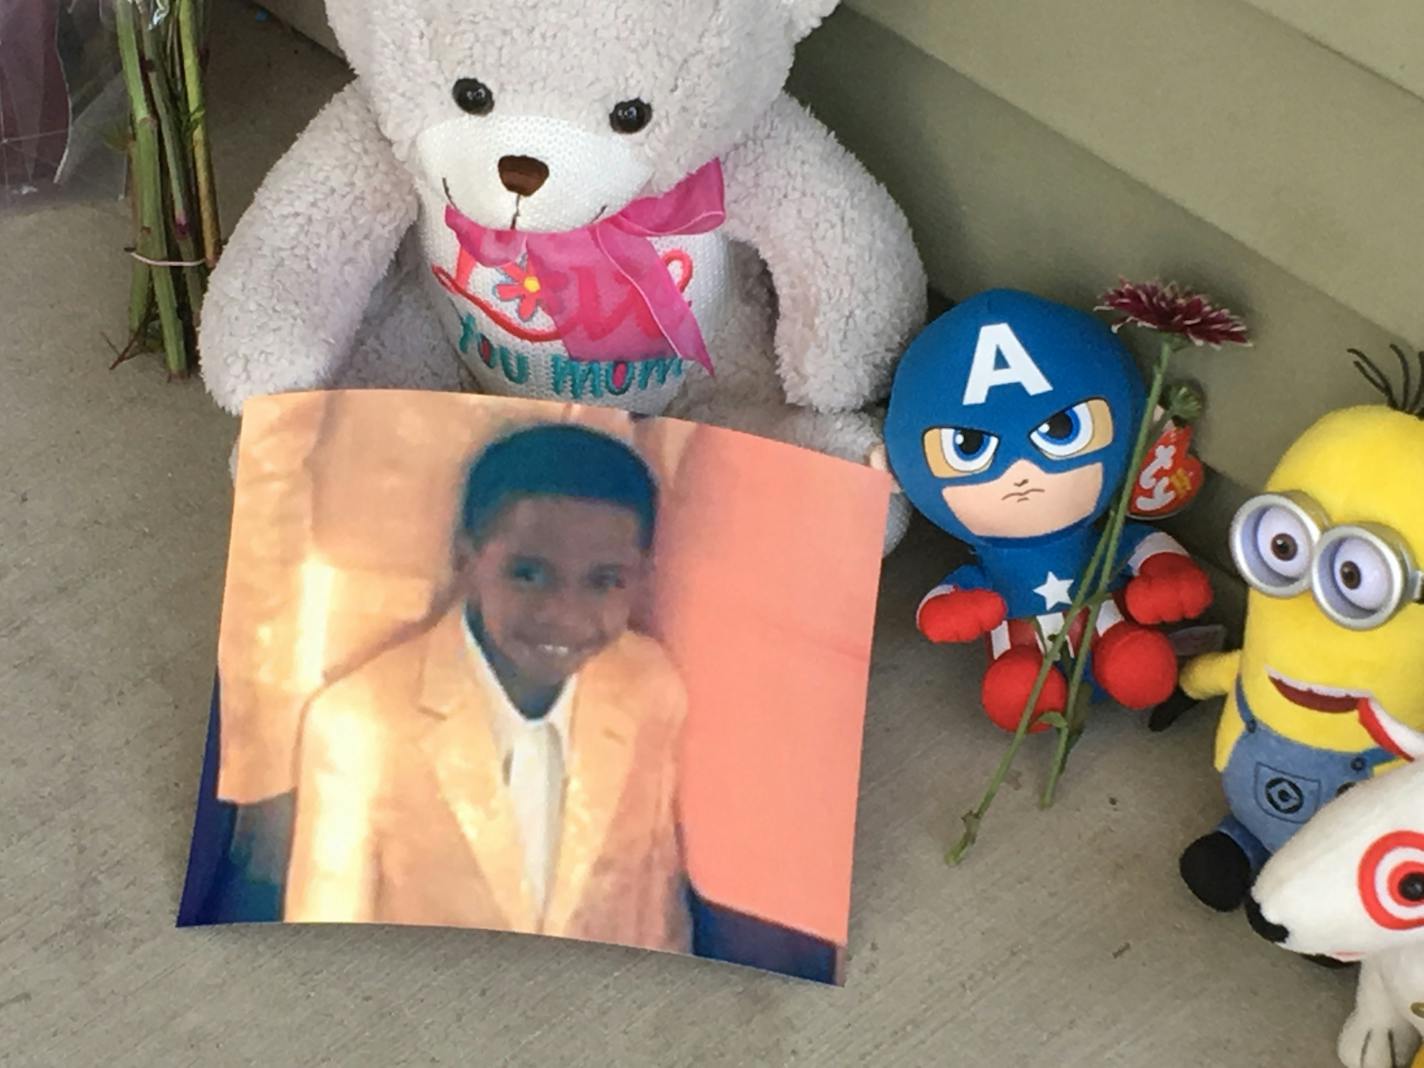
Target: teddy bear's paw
1370 1042
897 523
851 436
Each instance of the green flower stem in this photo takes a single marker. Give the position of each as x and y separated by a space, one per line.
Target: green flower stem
1111 541
140 296
179 187
190 32
141 282
1076 709
148 183
975 818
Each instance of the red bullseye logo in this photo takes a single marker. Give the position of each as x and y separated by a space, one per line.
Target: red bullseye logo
1392 881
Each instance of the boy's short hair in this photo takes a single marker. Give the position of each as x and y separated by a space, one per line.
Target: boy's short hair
558 460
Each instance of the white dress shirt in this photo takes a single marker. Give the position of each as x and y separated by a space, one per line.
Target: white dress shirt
533 757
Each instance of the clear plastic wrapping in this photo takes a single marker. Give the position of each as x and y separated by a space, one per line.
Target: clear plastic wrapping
62 106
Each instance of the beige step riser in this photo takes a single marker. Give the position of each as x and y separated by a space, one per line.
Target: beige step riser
1301 154
999 199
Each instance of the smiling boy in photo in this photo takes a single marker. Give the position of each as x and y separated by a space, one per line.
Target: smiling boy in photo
514 765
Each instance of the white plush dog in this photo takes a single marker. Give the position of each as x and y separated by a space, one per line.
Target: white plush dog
1350 885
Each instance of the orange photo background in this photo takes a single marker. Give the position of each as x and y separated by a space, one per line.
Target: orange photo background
767 559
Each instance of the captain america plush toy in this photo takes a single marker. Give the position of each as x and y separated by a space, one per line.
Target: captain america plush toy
1011 427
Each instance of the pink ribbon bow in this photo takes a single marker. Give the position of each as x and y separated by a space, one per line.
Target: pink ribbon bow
607 289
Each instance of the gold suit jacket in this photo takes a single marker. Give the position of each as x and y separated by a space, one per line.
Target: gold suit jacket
402 815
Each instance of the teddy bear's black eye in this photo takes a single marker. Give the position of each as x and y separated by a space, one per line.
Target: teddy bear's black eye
631 116
474 96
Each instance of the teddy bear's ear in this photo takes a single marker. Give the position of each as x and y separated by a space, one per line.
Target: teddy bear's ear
350 22
806 15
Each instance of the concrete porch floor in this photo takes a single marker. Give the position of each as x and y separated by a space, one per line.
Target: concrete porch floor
1066 940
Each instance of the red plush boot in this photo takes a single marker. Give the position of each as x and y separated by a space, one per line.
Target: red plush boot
1135 665
1008 683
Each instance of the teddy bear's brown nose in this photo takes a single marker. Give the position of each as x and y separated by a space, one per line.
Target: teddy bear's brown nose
522 175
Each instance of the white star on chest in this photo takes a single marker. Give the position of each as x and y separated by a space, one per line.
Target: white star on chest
1055 591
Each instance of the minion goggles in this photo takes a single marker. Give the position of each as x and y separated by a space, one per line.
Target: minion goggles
1361 575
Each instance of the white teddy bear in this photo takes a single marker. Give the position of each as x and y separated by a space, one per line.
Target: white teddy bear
586 200
1350 885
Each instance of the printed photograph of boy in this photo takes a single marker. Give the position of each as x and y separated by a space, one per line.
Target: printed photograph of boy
539 668
513 765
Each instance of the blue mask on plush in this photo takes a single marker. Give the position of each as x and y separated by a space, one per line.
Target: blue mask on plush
1003 377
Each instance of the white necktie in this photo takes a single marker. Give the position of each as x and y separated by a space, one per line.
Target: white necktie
536 784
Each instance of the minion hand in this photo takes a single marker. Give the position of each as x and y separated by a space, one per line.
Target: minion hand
1169 588
961 615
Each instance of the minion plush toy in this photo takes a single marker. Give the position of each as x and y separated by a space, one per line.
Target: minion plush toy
1011 426
1327 689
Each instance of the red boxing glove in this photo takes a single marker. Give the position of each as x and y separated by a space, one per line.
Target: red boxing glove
961 615
1169 588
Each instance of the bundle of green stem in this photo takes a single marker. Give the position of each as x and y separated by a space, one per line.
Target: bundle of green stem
177 236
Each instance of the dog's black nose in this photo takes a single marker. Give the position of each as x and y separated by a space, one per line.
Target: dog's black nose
1271 932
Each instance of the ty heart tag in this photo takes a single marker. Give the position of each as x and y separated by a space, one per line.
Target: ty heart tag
1171 477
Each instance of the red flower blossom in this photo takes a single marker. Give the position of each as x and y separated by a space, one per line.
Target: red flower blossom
523 286
1174 309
